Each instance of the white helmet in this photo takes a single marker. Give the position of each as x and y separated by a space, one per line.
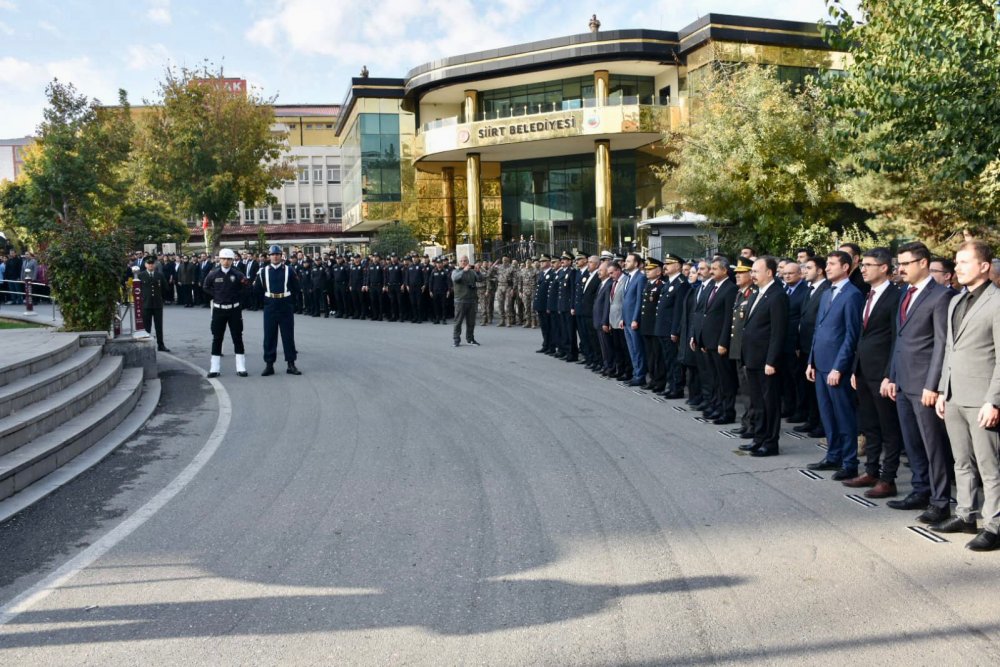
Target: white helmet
226 253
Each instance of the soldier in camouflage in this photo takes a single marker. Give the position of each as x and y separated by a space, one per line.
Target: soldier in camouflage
504 279
515 308
529 280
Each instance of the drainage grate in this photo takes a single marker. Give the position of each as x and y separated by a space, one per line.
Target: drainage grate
861 500
821 446
657 399
728 434
810 474
702 420
927 535
680 409
793 434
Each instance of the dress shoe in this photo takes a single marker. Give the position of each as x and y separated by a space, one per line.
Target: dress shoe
213 375
797 419
817 433
242 374
824 465
541 351
861 482
458 343
560 355
748 447
934 514
843 475
984 541
473 341
292 370
914 501
746 434
162 348
722 420
955 524
635 383
804 428
674 395
881 490
268 370
622 377
764 452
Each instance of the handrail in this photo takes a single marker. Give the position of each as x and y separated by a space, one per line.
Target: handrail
552 107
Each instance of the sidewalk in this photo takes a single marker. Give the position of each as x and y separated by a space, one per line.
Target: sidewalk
45 314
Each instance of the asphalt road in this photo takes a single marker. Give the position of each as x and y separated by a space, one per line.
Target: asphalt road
406 502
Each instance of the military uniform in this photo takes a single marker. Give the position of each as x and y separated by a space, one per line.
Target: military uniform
529 283
504 275
544 282
153 286
669 325
279 285
743 265
394 288
566 297
647 329
227 290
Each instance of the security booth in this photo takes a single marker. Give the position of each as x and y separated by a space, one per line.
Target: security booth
686 234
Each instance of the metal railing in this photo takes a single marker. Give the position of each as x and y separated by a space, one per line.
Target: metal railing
25 296
518 110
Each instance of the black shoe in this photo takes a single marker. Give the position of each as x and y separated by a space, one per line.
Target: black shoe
541 351
213 375
292 370
457 343
674 395
723 420
955 524
824 465
268 370
984 541
934 514
914 501
747 434
797 419
764 452
242 374
473 341
842 474
560 355
636 383
749 447
817 433
804 428
162 348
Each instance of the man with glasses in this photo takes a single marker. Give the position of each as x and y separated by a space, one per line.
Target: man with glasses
877 414
943 271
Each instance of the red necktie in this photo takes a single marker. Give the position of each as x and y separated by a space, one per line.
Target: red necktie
868 308
712 295
906 304
614 284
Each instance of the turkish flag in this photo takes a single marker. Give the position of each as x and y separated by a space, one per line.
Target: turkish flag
204 222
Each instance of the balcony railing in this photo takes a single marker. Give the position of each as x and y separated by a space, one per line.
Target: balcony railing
516 111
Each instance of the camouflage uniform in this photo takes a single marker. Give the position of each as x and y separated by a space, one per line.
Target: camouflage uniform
482 292
504 278
492 276
529 281
515 307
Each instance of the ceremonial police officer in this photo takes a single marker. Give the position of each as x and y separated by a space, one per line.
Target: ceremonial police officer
279 285
226 285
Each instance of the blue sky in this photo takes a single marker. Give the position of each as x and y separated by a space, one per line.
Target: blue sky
303 51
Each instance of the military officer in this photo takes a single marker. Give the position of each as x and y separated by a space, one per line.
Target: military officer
545 279
153 286
504 276
529 282
226 286
742 277
279 284
657 380
669 318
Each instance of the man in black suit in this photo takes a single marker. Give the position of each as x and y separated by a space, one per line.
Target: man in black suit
878 419
688 358
858 280
601 319
584 296
668 321
716 329
914 374
814 274
793 374
763 352
696 320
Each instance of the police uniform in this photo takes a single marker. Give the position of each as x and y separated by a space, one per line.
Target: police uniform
440 286
227 290
374 285
153 286
394 284
279 285
355 288
669 322
414 288
647 328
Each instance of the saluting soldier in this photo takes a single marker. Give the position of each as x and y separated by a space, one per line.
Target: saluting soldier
227 287
279 284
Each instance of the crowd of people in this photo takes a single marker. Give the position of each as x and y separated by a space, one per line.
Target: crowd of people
18 269
897 350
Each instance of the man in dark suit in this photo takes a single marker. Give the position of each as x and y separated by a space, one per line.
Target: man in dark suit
763 352
914 374
793 373
583 310
601 319
970 395
689 357
635 284
831 362
668 322
696 316
877 414
814 274
717 328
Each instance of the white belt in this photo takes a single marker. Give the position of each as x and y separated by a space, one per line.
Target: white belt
225 306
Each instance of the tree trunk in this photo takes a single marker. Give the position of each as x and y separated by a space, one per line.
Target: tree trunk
216 227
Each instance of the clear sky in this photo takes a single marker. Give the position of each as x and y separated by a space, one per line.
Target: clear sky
303 51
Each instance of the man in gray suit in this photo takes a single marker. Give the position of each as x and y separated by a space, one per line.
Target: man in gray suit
969 396
616 314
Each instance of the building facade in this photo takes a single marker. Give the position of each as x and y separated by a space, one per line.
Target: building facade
555 141
12 157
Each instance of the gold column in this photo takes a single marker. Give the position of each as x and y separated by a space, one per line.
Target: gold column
602 188
473 186
471 97
601 79
448 183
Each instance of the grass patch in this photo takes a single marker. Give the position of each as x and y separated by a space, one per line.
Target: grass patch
18 324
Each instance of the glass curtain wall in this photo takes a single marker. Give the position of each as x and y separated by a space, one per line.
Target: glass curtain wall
561 95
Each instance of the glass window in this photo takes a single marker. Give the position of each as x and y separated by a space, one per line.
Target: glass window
369 123
304 212
262 214
276 214
318 175
389 124
333 174
303 174
290 212
336 211
248 214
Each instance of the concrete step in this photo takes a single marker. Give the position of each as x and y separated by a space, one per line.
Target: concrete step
30 351
39 418
27 390
42 455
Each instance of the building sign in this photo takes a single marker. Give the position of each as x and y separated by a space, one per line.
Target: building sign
237 86
533 127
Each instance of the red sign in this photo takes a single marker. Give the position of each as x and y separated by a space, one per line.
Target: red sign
137 299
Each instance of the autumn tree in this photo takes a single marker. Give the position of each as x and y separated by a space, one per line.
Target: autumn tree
756 158
206 148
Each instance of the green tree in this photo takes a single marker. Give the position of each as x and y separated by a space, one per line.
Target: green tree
756 158
396 237
206 148
152 221
920 109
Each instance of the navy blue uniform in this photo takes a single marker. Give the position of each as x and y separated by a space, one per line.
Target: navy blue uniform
394 282
279 287
414 288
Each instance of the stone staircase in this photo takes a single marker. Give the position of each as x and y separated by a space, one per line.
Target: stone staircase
61 396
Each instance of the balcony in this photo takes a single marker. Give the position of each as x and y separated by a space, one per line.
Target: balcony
541 133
